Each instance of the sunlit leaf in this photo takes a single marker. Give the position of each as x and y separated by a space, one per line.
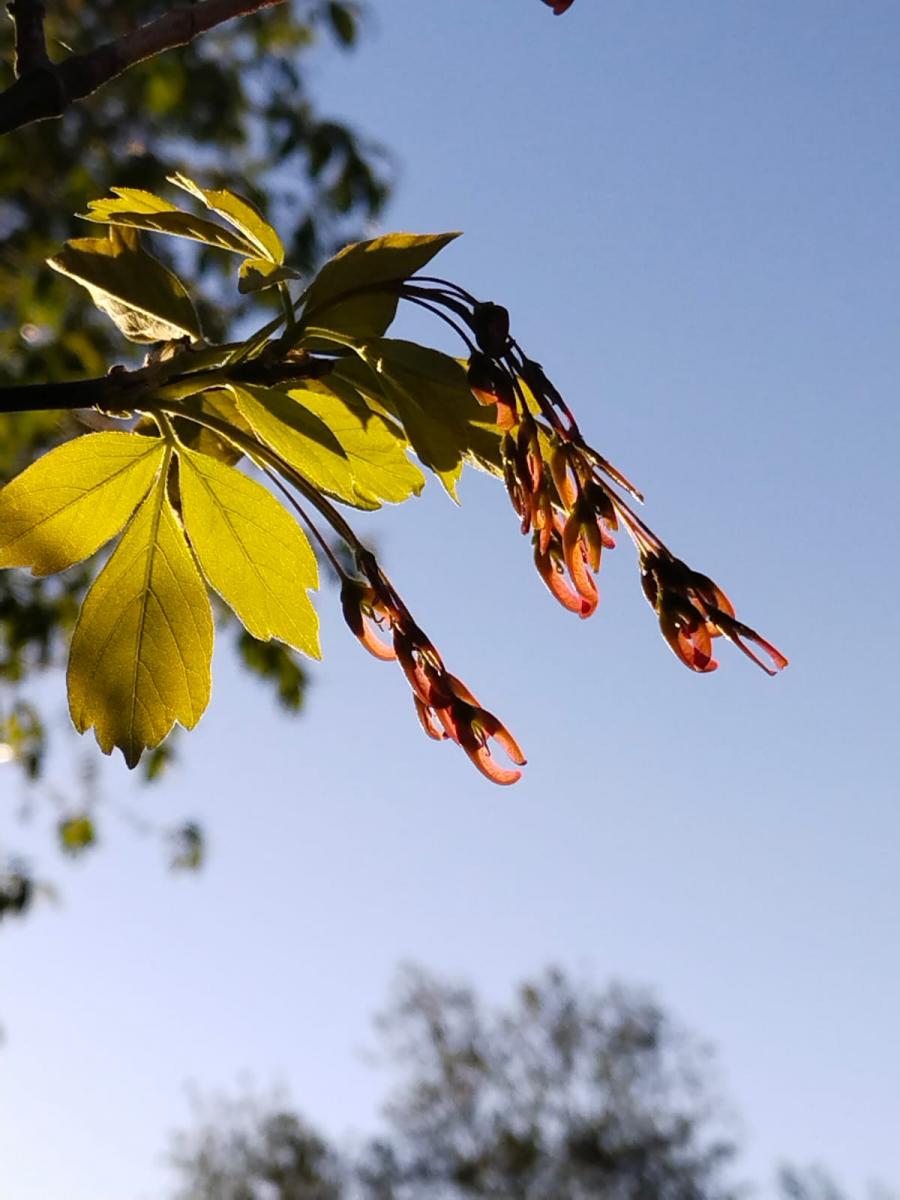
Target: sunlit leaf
375 447
351 294
429 394
240 213
140 657
159 216
145 300
251 551
302 440
70 502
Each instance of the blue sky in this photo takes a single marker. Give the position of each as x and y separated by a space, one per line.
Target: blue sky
691 212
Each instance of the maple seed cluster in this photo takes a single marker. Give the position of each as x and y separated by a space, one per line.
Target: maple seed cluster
693 610
445 706
561 490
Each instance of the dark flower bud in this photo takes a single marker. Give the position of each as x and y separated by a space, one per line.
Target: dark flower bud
490 324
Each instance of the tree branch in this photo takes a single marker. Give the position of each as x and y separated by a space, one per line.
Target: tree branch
123 389
47 89
31 50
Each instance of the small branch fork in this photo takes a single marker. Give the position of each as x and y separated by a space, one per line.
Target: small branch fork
45 89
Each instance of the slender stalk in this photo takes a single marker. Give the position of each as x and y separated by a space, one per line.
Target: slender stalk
307 520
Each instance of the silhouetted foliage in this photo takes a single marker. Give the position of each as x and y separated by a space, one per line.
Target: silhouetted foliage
565 1094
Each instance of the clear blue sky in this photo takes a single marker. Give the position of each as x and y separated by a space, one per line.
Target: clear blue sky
692 211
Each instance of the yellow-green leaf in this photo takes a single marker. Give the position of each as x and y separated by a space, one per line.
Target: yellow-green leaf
70 502
140 657
375 447
345 294
143 210
429 394
239 212
145 300
251 551
301 439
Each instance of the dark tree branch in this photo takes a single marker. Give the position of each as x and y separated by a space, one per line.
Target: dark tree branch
124 390
31 50
47 89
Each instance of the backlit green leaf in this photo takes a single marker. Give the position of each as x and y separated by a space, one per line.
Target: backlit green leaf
240 213
140 657
70 502
352 293
301 439
170 220
251 551
145 300
375 447
429 394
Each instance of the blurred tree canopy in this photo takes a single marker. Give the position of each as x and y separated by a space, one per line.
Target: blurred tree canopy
237 101
565 1094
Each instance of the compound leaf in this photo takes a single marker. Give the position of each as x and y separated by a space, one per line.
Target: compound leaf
140 657
145 300
352 295
240 213
375 447
171 220
70 502
251 551
428 393
301 440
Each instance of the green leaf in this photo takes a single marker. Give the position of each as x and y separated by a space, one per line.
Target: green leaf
70 502
140 657
240 213
76 834
428 393
252 552
345 294
145 300
170 220
375 447
342 22
301 440
258 273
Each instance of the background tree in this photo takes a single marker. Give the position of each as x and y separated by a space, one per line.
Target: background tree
564 1094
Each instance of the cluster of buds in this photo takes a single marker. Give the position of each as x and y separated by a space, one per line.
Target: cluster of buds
561 488
446 708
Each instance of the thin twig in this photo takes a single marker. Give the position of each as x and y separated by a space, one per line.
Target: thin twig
49 91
